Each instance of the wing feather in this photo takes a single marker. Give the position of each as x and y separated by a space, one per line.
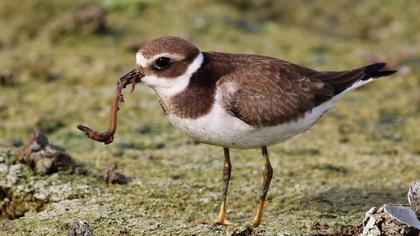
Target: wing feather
282 92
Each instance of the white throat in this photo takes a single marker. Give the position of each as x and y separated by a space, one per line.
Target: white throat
167 87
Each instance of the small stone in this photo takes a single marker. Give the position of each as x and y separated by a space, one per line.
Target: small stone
377 222
112 175
80 228
38 141
62 161
414 197
15 173
44 157
44 166
247 232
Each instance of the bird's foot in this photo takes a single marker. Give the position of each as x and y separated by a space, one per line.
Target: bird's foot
254 223
223 222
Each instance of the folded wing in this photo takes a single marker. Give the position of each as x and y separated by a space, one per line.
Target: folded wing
283 92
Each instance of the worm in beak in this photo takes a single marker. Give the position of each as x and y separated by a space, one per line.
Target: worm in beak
132 77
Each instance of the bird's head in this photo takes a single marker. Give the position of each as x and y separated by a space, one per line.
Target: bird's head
167 63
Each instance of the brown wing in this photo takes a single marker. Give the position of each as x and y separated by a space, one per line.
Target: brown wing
283 92
263 98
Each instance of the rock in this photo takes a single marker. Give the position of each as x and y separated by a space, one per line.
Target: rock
15 197
377 222
21 191
10 175
38 141
112 175
247 232
44 157
44 165
15 172
414 197
80 228
91 18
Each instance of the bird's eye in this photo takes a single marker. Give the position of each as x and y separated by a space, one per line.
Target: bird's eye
162 62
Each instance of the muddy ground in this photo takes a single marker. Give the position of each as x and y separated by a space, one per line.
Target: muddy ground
59 61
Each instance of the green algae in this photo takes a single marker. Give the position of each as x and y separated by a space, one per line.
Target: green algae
363 153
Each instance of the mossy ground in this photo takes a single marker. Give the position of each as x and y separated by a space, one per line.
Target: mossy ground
363 153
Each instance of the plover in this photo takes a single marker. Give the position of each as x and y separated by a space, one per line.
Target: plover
238 100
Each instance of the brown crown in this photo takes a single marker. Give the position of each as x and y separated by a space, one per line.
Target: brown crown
169 44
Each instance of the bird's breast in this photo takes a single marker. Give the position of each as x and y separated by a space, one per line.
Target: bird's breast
218 127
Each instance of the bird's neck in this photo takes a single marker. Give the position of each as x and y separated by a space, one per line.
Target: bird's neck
198 96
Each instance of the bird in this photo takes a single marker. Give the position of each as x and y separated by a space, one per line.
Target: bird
241 101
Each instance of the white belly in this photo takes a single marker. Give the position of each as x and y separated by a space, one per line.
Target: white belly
221 129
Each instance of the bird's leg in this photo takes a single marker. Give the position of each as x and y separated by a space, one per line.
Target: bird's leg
268 174
227 167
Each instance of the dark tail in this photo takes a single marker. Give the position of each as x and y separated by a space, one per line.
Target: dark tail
374 71
342 80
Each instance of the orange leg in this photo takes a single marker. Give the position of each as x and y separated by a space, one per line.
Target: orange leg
268 174
227 167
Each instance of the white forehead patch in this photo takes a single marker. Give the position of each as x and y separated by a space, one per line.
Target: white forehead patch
141 60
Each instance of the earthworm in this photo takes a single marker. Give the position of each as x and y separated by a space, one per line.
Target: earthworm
107 137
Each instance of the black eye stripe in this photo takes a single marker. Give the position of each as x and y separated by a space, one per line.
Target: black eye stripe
162 62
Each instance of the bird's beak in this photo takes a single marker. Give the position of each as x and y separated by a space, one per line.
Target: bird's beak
132 77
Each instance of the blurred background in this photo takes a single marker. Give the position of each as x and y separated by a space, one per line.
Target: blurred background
59 61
